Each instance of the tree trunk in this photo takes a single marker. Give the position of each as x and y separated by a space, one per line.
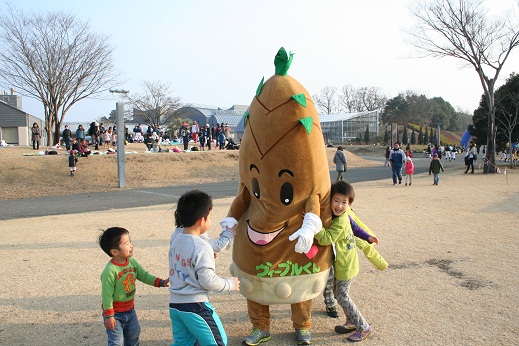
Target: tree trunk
49 127
490 166
57 133
510 151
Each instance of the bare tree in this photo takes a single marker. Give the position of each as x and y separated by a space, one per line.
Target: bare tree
508 120
347 98
326 101
55 58
371 99
463 29
155 104
362 99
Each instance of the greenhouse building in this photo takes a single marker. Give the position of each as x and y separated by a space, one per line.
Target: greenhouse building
346 127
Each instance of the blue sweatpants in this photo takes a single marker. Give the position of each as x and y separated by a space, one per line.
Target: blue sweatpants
196 322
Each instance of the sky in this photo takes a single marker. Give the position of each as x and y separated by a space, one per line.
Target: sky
216 52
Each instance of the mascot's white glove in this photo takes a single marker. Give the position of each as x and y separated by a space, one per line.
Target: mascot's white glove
312 224
228 224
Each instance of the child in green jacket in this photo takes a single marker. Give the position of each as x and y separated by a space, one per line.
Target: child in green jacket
371 254
435 167
343 233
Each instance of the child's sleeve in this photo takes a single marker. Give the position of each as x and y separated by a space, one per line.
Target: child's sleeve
358 231
368 249
107 292
373 255
204 266
334 233
221 243
144 276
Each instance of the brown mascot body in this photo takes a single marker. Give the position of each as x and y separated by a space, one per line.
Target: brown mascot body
284 176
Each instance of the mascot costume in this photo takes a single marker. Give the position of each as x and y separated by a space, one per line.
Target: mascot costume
283 200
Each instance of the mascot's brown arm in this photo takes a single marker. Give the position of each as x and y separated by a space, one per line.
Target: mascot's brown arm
313 205
240 203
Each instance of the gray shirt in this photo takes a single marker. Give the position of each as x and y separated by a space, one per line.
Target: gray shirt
192 270
340 160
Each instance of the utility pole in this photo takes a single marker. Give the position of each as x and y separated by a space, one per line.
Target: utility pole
438 135
121 171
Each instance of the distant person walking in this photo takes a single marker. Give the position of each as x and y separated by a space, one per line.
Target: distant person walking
36 134
388 150
93 131
72 160
194 131
67 137
435 167
397 159
469 158
409 170
341 164
184 133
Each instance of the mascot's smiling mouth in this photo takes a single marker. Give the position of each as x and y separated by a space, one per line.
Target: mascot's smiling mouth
262 238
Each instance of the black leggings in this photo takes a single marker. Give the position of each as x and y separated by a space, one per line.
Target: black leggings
470 164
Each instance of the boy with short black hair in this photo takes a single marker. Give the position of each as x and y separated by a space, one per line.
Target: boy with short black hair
192 275
118 287
342 233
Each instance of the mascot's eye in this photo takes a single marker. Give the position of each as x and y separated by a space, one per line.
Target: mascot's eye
255 188
287 193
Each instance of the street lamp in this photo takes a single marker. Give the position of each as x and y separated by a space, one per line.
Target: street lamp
438 135
121 173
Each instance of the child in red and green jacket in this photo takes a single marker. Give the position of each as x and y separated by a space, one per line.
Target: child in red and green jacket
118 287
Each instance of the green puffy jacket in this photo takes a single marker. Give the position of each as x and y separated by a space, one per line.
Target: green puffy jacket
369 249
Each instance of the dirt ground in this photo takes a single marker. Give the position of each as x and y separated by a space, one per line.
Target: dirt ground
48 175
452 253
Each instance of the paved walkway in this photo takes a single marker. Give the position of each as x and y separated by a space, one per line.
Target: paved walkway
132 198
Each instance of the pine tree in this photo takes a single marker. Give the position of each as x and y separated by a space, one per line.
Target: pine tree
432 137
420 136
386 136
366 135
426 137
405 137
413 137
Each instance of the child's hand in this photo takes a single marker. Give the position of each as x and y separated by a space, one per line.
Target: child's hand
236 284
110 323
165 283
373 239
233 229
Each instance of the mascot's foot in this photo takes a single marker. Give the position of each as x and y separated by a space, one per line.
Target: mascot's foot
256 337
303 337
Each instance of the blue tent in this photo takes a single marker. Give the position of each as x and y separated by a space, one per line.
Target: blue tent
465 139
